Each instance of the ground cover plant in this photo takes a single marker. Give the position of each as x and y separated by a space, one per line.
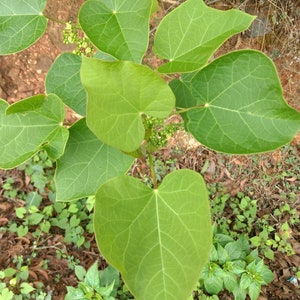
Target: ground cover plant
224 103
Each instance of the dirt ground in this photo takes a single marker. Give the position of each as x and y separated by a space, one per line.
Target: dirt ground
276 33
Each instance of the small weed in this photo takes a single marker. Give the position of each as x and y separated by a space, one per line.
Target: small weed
234 216
233 267
95 284
242 211
15 285
276 237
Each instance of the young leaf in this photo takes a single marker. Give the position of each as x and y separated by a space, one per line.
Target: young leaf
268 253
28 126
35 219
222 254
246 280
26 288
80 272
213 285
159 239
192 32
119 28
234 251
255 241
110 275
230 281
214 282
21 24
92 278
86 164
9 272
239 293
267 274
119 93
254 290
75 294
236 104
63 79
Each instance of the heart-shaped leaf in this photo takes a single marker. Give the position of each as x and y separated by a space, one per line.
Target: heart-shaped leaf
21 24
192 32
63 79
119 28
29 126
235 104
158 239
86 164
119 94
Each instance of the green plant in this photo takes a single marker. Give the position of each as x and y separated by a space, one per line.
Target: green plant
94 284
234 216
73 218
240 213
159 236
233 267
10 191
275 237
15 278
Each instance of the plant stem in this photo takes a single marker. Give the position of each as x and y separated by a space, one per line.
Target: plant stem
155 185
54 20
183 110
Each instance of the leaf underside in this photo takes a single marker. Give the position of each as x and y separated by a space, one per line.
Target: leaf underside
86 164
238 106
21 24
158 239
191 33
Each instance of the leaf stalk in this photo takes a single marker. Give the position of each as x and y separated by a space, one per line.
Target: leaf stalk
155 184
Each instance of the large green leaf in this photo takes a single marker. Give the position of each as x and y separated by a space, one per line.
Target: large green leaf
119 93
30 125
190 34
236 104
21 24
86 164
118 27
63 79
158 239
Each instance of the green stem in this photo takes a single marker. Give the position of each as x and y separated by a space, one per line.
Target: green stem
55 20
183 110
155 185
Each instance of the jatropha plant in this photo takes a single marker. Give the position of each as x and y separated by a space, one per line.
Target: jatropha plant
159 238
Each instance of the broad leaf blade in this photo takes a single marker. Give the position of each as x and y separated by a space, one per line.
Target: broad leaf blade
190 34
158 239
86 164
119 93
92 278
63 79
21 24
26 129
238 104
119 28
